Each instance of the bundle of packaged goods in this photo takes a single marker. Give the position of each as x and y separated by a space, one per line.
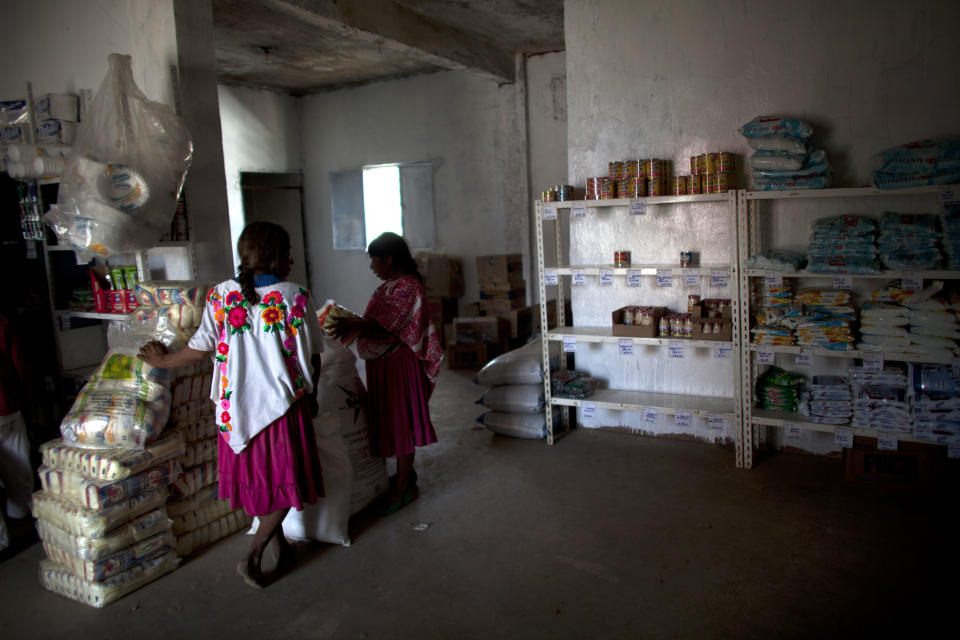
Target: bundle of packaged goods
923 322
778 390
827 400
101 510
950 223
777 314
14 129
515 398
113 288
880 399
843 244
180 302
36 160
329 312
568 383
828 319
559 193
918 163
783 159
631 179
935 405
909 241
779 260
713 172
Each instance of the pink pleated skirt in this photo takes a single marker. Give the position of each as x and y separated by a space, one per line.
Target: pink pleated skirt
278 469
398 412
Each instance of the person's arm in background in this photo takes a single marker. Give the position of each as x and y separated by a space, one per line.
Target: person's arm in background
156 355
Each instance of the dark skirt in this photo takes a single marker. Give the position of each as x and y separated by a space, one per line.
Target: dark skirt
278 469
398 412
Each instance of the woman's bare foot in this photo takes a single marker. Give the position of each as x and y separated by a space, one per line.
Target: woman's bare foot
250 574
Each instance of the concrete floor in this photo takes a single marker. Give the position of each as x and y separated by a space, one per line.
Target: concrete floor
603 535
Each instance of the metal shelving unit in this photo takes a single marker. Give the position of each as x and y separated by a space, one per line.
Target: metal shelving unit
749 223
650 404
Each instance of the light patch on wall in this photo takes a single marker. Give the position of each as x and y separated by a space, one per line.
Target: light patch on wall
381 201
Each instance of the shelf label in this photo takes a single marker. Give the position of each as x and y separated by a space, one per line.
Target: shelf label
873 362
773 278
804 359
550 277
683 418
626 346
664 277
843 437
719 278
953 451
723 350
588 409
32 251
691 278
633 278
606 277
578 209
842 281
637 207
579 278
911 282
569 344
716 422
766 357
925 436
676 349
792 431
549 210
887 440
949 195
651 415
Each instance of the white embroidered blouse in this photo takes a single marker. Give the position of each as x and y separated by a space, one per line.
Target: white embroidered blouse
263 353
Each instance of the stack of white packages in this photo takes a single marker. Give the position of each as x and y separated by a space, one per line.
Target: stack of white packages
516 399
827 400
199 517
884 327
179 302
922 322
880 399
936 403
101 511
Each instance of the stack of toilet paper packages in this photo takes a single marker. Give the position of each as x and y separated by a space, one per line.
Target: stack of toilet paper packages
783 159
199 517
880 399
181 303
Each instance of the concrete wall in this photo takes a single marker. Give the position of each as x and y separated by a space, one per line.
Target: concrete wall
261 133
670 79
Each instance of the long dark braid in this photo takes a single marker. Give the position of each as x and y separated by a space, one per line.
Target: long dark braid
261 247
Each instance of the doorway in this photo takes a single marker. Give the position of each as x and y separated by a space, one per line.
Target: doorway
278 198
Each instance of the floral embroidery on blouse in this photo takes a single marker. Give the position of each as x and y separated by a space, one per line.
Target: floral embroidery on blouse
272 308
236 312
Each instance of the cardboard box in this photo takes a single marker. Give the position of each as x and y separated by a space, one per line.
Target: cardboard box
442 274
488 329
552 314
500 268
636 330
914 464
448 334
466 356
496 290
471 310
500 307
725 322
442 310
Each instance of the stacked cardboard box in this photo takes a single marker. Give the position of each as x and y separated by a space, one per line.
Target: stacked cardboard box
443 280
502 288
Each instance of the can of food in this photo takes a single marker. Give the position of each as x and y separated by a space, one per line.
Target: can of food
608 188
629 315
593 189
693 185
613 169
713 159
701 164
653 168
549 195
692 301
634 187
710 183
664 326
654 187
686 258
723 182
725 163
630 169
621 258
693 166
564 192
679 185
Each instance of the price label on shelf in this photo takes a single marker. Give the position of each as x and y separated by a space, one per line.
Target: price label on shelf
550 276
637 207
873 362
953 451
716 422
723 350
651 415
676 349
626 346
804 359
579 278
924 436
606 277
843 437
549 210
719 278
949 195
587 409
912 282
683 418
578 209
691 278
842 281
569 344
791 430
664 277
766 357
32 251
773 278
887 440
633 278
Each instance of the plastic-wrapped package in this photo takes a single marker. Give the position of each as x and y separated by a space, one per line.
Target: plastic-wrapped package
120 187
179 506
110 464
100 494
194 479
793 182
783 164
59 579
210 533
127 534
329 312
559 379
520 366
124 560
514 398
771 125
199 452
779 142
201 516
163 293
782 260
581 387
81 521
920 157
530 426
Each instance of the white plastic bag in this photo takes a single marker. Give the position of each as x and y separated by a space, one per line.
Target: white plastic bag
120 187
514 398
520 366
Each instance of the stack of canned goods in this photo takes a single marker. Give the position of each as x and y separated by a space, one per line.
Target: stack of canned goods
709 173
559 193
631 179
676 325
641 316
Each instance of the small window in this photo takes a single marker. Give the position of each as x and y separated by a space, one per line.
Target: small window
382 210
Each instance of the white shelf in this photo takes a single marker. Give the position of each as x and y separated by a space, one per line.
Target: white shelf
625 202
668 403
778 419
844 192
602 334
93 315
883 275
933 358
644 269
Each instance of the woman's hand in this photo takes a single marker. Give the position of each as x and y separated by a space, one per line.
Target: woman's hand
342 327
153 353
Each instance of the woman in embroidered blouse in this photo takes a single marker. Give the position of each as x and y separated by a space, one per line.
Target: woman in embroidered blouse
403 354
266 340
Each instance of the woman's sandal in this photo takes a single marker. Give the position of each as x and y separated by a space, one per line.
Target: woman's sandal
408 496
